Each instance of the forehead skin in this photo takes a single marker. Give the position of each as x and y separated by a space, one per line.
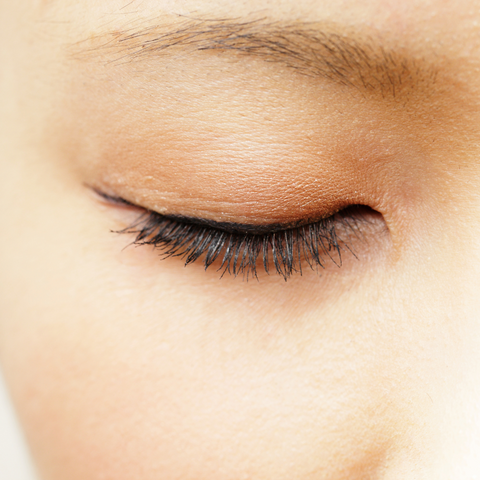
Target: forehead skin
125 367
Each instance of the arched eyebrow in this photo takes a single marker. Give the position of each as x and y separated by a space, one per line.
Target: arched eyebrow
312 49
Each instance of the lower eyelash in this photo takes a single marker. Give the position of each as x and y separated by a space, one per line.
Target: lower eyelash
287 250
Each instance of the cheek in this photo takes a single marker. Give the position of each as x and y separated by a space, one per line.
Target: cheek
119 370
177 398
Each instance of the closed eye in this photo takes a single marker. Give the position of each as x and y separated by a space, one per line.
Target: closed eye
241 250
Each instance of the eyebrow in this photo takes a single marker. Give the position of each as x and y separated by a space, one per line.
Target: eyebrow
311 49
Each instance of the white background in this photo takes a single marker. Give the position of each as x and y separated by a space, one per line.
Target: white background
15 463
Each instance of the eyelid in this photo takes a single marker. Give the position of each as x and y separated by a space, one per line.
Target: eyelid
237 228
229 227
240 252
113 199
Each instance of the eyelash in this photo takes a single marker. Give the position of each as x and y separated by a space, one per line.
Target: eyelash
313 243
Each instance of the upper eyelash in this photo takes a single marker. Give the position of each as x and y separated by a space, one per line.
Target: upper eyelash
239 253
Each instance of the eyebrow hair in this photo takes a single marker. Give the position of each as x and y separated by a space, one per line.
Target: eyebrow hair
309 48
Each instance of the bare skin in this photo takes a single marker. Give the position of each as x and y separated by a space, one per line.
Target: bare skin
126 366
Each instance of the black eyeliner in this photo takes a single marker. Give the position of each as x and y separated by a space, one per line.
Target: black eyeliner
238 249
230 227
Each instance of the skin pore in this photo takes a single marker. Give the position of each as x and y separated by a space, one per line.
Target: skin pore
124 365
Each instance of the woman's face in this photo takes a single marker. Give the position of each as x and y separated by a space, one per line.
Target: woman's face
245 126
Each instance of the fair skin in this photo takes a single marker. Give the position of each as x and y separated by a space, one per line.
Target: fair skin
125 366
